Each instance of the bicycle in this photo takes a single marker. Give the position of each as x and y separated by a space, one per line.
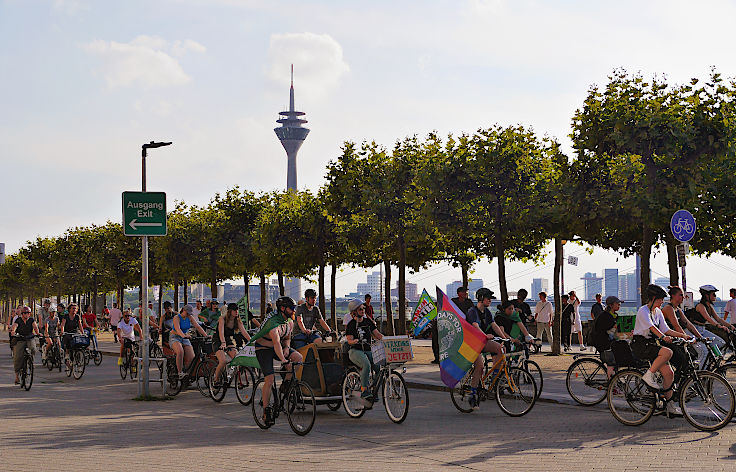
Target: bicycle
129 365
707 399
93 353
245 381
521 360
26 371
53 354
294 397
388 381
75 362
198 371
515 389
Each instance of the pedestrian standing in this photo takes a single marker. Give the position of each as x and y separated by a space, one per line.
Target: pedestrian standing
730 307
597 307
525 311
567 317
577 324
368 307
462 301
544 315
115 317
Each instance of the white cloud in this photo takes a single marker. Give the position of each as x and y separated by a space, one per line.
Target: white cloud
318 61
145 61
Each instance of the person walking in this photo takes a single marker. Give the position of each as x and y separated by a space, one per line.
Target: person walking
577 324
544 315
369 313
567 317
115 316
525 311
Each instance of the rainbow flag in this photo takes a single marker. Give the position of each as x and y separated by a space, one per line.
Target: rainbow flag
460 342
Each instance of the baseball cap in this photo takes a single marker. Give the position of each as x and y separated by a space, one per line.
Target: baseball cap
611 300
232 306
188 309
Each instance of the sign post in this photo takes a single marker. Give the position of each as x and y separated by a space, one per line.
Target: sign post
144 214
683 228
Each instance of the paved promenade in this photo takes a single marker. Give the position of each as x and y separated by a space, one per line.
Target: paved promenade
93 423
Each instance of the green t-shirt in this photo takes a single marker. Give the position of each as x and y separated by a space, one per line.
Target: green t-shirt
515 330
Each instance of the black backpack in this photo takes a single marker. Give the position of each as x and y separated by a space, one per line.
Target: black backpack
693 315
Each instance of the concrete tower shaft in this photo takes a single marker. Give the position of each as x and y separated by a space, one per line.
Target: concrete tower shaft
292 135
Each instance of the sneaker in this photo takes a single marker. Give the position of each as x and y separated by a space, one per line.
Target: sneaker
120 361
473 401
583 348
435 361
268 416
673 409
649 379
182 375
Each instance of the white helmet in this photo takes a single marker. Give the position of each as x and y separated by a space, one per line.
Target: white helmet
708 288
52 308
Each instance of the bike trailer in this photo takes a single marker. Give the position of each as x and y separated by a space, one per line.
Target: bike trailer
79 341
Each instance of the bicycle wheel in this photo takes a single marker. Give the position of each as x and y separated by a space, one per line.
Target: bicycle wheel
79 364
204 370
728 371
536 371
97 357
630 400
396 397
155 352
460 395
124 367
257 404
301 408
516 392
132 365
707 401
217 387
172 377
587 381
245 381
28 373
351 400
50 358
334 406
68 363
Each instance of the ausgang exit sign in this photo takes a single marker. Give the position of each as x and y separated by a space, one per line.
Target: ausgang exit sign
144 213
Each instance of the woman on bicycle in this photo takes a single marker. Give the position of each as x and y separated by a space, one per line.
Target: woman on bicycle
359 332
127 328
272 341
179 339
166 323
676 319
71 323
89 323
224 338
24 326
51 329
649 330
707 315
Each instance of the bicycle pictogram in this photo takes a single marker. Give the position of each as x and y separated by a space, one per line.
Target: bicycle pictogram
682 225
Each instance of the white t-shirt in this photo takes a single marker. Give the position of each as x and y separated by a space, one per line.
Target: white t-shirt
127 329
731 310
115 316
645 319
196 311
543 311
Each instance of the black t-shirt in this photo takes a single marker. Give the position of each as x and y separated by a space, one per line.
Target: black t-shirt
568 313
483 319
72 324
24 328
463 305
504 321
525 309
596 309
362 332
603 322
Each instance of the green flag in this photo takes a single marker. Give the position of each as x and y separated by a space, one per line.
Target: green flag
247 355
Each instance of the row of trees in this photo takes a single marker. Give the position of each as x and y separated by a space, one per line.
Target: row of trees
642 149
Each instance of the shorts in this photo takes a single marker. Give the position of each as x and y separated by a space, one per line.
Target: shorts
646 349
175 338
301 339
266 356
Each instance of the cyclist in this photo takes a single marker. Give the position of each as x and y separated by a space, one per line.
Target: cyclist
479 315
307 315
272 342
707 314
43 314
166 322
71 323
604 328
51 329
359 332
24 326
224 338
650 329
127 327
89 323
676 319
179 338
508 318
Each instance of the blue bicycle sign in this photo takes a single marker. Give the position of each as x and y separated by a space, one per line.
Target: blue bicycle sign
682 225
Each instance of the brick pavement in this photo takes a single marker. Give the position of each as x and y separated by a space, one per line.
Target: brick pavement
63 424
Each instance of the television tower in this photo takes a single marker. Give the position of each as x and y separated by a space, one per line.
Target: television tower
291 134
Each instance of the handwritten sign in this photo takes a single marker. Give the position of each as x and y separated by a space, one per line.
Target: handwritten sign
398 349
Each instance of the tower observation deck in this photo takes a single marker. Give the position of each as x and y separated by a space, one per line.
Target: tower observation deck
291 134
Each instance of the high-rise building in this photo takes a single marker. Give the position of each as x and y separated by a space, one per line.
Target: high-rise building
628 287
473 286
662 281
538 285
372 285
610 282
451 288
593 284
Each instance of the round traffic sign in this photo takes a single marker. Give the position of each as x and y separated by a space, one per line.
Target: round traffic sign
682 225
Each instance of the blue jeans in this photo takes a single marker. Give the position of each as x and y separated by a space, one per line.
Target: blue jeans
92 338
364 360
301 339
702 350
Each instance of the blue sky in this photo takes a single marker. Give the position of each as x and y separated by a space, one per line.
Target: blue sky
85 83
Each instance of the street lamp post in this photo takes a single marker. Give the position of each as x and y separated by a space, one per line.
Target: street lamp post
144 282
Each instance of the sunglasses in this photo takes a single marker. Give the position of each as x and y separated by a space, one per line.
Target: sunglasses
25 312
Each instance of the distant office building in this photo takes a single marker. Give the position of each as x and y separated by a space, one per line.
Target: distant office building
451 288
610 282
473 286
593 284
662 281
628 287
411 291
372 285
538 285
254 294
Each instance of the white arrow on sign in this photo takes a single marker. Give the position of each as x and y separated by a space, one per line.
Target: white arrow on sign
133 224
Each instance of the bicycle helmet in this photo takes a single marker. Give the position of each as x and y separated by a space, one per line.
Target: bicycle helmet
52 308
484 293
655 292
707 289
285 302
310 292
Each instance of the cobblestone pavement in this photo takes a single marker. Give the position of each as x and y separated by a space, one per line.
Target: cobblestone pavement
63 424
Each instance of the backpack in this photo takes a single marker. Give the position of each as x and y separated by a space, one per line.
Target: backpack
693 315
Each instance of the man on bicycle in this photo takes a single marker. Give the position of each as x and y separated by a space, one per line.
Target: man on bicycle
508 318
25 327
359 332
307 316
127 327
480 317
51 330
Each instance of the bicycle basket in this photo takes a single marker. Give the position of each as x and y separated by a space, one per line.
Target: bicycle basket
79 340
378 352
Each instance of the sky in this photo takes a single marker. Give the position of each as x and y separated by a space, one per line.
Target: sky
85 83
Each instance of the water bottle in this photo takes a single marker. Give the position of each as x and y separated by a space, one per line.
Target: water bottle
714 349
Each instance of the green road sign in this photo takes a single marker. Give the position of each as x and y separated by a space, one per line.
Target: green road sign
144 213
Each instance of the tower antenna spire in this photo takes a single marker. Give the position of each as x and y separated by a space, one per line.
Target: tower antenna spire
292 75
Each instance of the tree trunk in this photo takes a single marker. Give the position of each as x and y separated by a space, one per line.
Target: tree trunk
500 254
263 295
280 276
557 323
401 328
321 283
672 260
186 291
94 290
160 298
176 292
387 291
333 297
464 269
246 285
645 254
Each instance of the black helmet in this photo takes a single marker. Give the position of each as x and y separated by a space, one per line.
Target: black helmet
484 293
286 302
655 292
310 292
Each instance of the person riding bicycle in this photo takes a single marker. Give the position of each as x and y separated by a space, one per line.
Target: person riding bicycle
479 316
89 323
166 323
224 337
307 315
603 330
509 319
272 341
359 332
71 324
706 315
676 319
25 327
51 330
650 330
179 338
127 327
